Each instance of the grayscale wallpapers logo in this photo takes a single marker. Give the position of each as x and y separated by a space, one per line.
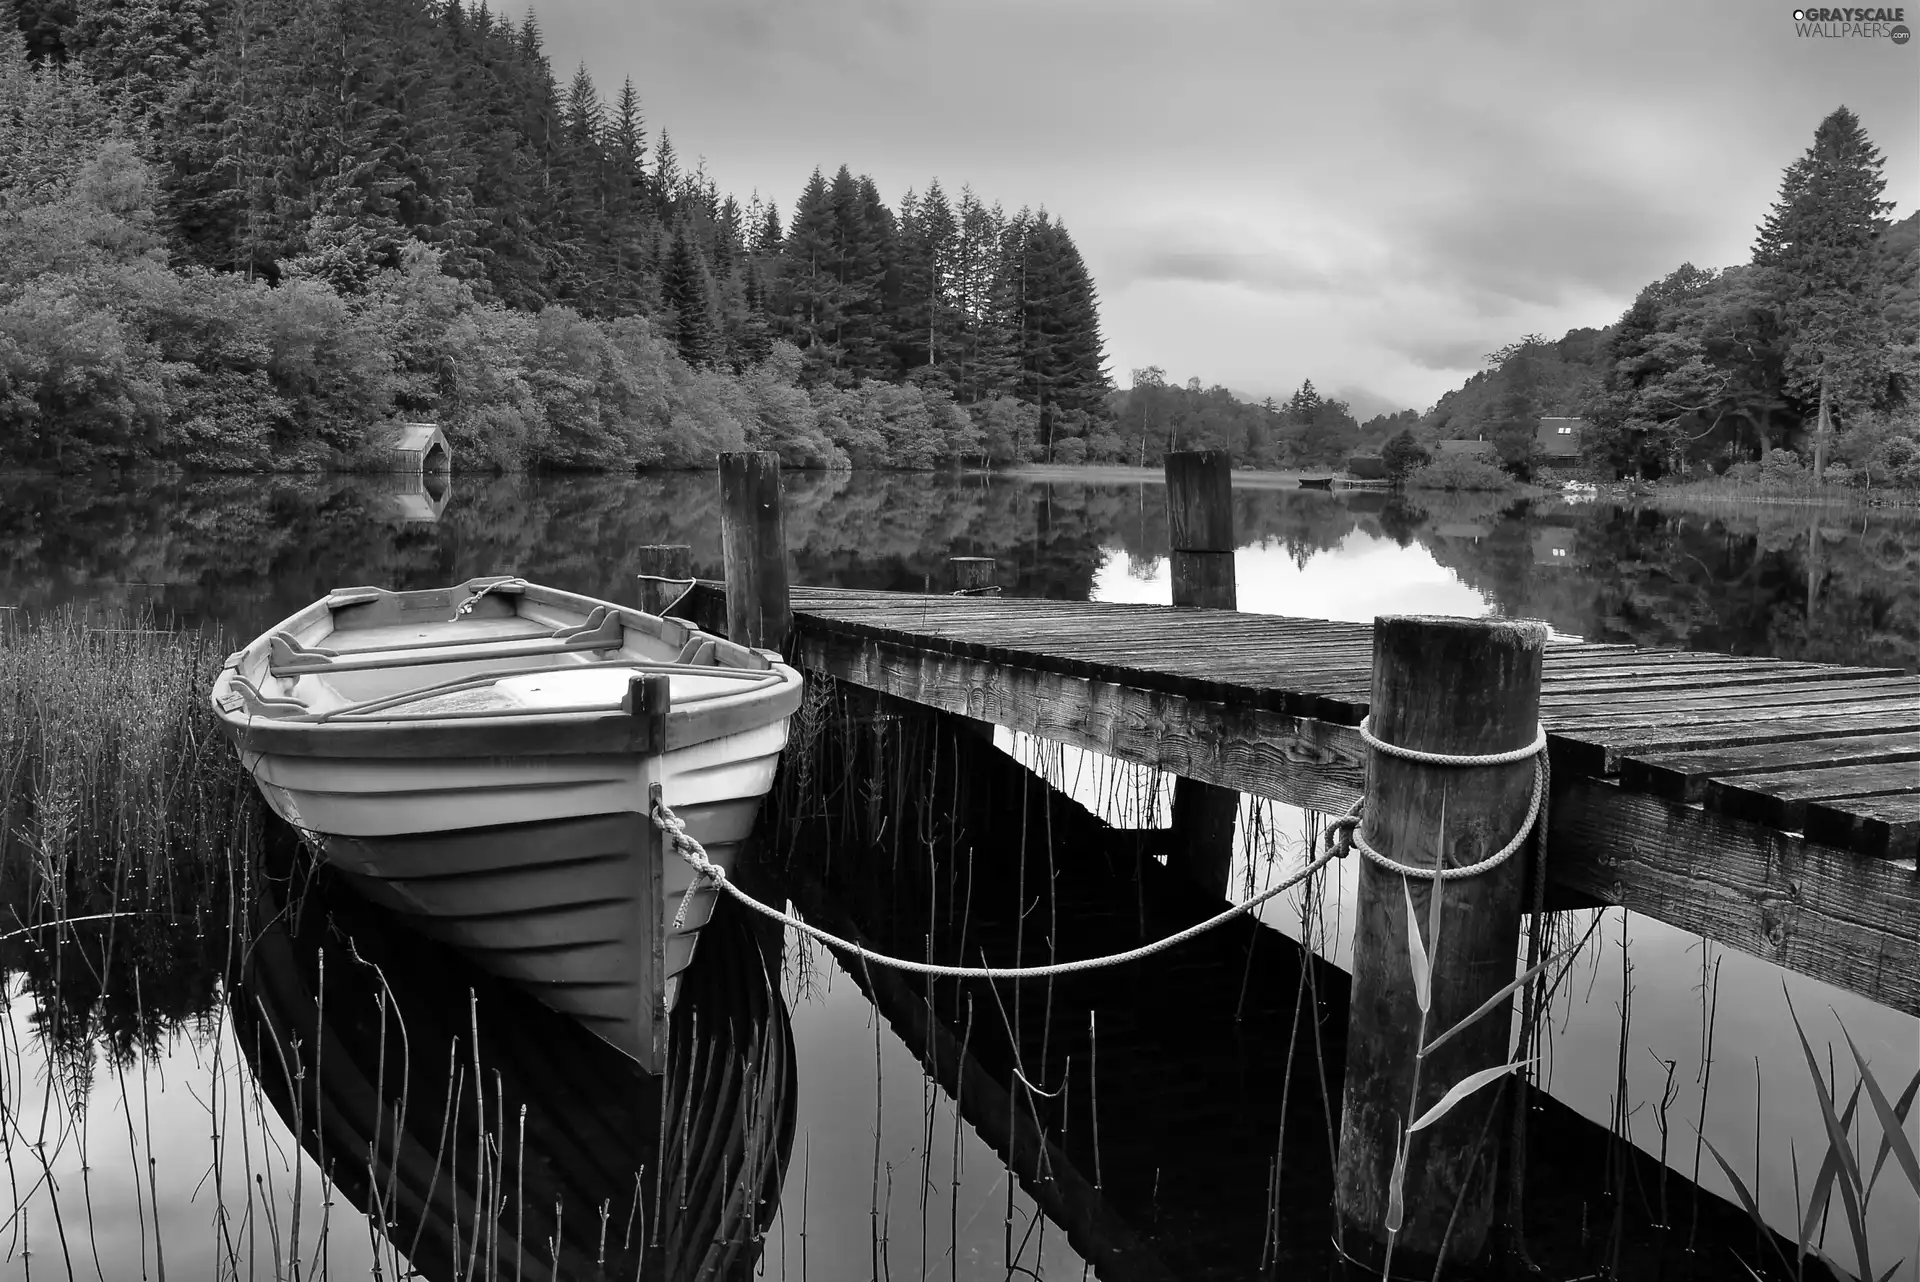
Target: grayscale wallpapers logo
1868 24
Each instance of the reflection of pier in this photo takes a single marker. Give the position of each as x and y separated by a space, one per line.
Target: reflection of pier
1140 1107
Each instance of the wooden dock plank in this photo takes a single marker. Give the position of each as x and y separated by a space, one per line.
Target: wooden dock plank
1684 775
1887 827
1780 797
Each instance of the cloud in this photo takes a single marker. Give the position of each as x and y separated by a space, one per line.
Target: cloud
1257 270
1444 353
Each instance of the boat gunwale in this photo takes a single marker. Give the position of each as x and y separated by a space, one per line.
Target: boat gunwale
518 733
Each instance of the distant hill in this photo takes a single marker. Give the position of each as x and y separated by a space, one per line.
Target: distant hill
1568 371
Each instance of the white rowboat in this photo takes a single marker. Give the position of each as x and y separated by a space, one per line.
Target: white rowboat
482 757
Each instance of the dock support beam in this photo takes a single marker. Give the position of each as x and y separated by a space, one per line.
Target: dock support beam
753 541
1470 688
657 562
1200 519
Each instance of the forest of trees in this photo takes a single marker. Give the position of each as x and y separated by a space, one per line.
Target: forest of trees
241 233
1718 369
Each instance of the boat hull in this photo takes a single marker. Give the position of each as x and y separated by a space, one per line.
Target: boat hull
535 868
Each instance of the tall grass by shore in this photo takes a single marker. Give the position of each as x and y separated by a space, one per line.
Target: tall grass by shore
114 777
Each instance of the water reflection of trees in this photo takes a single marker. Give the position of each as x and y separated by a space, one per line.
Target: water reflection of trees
246 551
1781 583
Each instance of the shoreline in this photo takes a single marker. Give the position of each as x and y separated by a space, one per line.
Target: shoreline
1126 474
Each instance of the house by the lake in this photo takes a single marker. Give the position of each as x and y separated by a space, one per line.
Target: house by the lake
1471 449
1559 437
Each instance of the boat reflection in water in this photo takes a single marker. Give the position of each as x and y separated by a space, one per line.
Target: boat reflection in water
495 1137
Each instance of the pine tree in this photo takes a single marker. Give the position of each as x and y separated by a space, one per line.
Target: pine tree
1055 320
138 51
584 211
922 316
666 180
1818 245
689 292
981 362
809 300
629 208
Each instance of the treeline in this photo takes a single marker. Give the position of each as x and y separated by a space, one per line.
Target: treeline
286 221
1726 369
1152 417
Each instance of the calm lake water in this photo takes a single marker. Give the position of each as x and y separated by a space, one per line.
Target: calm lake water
158 1138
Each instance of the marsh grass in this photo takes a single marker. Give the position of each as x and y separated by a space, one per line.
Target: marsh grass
1843 1171
112 769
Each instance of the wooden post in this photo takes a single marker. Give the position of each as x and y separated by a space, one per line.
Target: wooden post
1468 687
649 701
659 561
970 574
753 540
1200 519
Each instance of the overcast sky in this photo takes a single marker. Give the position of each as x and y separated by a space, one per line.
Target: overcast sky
1265 191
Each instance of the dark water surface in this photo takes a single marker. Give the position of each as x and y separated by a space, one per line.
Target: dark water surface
151 1128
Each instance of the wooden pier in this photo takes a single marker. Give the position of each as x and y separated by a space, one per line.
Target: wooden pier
1772 806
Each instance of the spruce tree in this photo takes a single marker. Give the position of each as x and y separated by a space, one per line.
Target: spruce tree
666 180
584 201
1818 245
138 51
629 208
809 299
689 292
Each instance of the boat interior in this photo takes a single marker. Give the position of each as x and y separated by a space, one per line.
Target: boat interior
489 647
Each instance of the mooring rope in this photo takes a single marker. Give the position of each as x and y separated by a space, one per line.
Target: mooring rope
685 586
1345 831
688 848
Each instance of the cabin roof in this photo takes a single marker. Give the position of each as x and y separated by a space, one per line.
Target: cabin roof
416 438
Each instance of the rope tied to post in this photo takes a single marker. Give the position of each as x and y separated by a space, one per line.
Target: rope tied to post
685 586
1343 834
674 829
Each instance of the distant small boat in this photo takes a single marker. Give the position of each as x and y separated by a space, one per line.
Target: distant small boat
482 757
1316 482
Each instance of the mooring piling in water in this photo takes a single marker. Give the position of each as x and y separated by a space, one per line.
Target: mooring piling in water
1200 522
1468 689
753 541
649 701
971 574
662 571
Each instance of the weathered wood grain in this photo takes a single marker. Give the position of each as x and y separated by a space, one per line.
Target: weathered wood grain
753 541
1600 751
1886 827
1779 797
1296 760
657 561
1684 775
1471 687
1804 905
